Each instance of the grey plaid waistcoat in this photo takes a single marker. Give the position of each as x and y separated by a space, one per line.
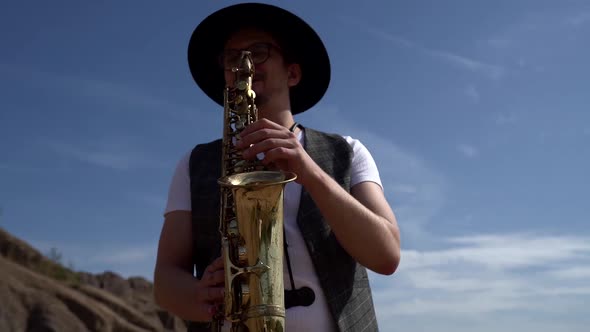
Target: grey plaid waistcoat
345 282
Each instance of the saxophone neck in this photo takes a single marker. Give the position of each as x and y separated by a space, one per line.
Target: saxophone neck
244 71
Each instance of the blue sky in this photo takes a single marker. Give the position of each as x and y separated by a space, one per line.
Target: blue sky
476 112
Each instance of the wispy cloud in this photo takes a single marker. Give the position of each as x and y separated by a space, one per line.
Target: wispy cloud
147 198
503 252
576 272
21 167
492 71
505 119
415 190
499 43
124 255
112 153
484 278
100 91
404 188
472 92
468 150
124 259
14 168
531 41
578 19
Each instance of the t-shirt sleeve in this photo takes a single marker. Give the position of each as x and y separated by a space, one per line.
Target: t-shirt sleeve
179 197
364 167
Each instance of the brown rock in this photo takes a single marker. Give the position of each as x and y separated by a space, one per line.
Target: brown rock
37 294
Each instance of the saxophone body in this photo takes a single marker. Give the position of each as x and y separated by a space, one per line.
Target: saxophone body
251 220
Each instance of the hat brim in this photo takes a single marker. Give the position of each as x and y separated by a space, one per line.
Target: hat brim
306 47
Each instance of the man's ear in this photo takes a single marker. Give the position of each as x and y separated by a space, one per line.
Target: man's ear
293 74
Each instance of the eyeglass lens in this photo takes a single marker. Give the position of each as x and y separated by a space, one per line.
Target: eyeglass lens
258 52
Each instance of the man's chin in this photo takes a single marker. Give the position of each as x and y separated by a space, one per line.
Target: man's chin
258 89
258 84
260 99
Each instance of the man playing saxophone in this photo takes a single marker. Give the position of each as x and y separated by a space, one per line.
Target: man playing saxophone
337 222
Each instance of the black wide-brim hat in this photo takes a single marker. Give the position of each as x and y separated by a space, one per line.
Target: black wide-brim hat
303 43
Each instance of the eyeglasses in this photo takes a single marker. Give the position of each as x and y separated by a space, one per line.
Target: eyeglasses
259 52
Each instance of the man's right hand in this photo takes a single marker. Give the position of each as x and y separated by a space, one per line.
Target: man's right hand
210 290
176 289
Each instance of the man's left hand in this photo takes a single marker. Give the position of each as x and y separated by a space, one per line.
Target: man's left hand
280 146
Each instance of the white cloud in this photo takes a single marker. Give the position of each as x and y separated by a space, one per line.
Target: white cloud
404 189
504 119
576 272
468 150
148 198
114 153
472 93
124 259
123 255
499 43
503 251
533 41
491 71
479 280
494 72
578 19
415 190
102 91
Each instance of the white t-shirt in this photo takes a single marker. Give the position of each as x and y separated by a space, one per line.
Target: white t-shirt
316 316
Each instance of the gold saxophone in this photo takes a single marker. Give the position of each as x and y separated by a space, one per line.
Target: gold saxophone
251 220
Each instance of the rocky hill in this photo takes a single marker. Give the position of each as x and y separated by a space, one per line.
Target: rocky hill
40 294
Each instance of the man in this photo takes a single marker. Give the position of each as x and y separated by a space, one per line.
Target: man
337 220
